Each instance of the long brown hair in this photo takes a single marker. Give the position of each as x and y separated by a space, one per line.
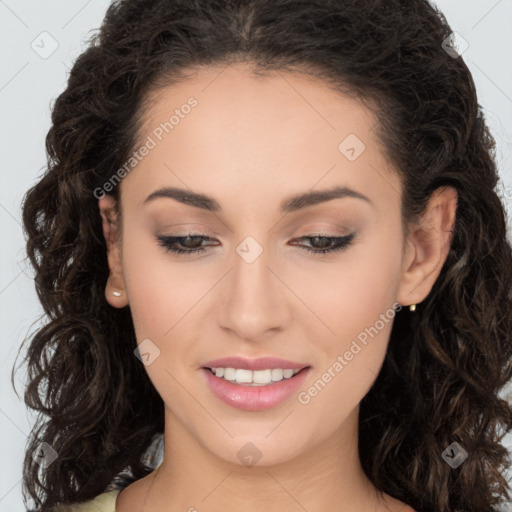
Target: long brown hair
446 362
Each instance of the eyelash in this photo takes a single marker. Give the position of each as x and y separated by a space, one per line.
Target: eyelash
168 243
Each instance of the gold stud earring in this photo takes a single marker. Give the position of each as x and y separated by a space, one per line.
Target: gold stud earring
412 307
116 293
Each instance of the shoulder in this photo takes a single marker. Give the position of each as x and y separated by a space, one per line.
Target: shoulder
105 502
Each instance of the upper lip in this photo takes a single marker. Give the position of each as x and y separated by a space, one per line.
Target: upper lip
261 363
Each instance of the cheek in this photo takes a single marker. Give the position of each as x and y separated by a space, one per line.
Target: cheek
162 291
162 296
353 292
358 309
347 364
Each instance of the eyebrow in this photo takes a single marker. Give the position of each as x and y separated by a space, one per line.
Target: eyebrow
288 205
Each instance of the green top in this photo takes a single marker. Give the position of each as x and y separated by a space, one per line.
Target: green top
105 502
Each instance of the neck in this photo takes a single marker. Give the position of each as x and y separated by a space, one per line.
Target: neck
192 478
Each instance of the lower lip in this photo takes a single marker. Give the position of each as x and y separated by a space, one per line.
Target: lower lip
254 398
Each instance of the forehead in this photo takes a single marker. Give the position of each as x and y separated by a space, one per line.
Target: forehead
224 129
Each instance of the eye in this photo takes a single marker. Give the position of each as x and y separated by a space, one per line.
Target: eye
192 243
328 243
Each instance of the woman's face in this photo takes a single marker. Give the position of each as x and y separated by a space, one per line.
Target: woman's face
251 144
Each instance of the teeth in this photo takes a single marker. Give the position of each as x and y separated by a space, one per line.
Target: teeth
254 378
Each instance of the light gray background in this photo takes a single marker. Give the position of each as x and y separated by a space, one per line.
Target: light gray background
29 82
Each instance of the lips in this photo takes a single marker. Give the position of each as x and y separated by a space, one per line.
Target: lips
258 398
262 363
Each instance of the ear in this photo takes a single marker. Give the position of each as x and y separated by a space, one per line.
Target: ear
427 247
111 232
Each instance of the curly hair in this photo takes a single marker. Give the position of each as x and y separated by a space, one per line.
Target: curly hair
446 362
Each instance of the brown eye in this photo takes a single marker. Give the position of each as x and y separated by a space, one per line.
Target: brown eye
324 244
191 243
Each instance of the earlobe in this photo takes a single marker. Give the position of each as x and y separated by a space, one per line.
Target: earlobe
115 292
427 247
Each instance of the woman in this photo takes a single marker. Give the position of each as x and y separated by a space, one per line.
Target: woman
269 237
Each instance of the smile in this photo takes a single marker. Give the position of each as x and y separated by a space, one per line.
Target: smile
253 378
254 396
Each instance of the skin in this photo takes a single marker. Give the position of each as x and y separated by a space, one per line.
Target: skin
250 143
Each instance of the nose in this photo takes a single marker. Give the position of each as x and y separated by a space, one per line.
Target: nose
253 297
